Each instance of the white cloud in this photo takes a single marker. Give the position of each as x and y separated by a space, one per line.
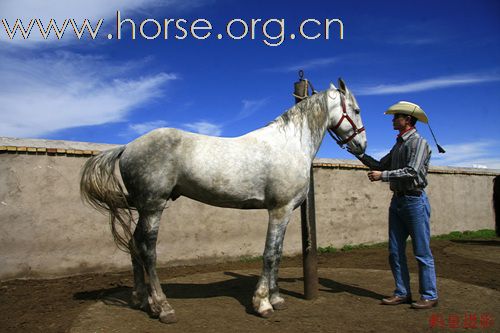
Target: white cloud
307 65
428 84
415 41
478 154
207 128
63 90
60 9
44 90
482 153
147 126
479 166
204 127
251 106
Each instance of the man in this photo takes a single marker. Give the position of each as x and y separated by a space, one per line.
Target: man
405 168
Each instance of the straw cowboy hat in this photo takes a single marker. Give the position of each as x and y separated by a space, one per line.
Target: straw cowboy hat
410 109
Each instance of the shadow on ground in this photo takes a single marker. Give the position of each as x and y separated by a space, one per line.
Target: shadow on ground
239 287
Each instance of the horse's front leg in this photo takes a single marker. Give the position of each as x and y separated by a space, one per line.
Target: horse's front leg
266 297
149 223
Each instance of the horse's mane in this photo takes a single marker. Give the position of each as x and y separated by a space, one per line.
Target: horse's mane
311 112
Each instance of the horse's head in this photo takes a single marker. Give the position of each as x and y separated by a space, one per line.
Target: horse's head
345 118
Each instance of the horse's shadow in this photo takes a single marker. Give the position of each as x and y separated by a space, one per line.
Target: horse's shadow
118 296
239 287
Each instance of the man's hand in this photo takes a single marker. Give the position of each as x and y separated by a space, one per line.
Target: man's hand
375 175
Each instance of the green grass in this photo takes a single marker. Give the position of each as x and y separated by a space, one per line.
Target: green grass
249 259
454 235
328 249
484 233
350 247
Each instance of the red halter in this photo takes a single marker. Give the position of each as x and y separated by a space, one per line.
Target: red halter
355 129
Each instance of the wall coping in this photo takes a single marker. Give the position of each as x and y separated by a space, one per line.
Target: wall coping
331 163
77 148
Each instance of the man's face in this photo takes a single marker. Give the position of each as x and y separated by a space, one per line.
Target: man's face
399 121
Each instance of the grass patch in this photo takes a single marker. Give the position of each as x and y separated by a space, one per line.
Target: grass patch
350 247
454 235
249 259
328 249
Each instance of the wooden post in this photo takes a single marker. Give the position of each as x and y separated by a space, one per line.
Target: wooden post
309 246
308 216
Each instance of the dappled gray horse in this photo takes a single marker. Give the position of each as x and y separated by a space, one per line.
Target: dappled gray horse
265 169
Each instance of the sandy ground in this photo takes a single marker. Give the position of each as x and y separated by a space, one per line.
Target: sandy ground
217 298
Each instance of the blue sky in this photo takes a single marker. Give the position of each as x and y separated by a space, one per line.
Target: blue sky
443 55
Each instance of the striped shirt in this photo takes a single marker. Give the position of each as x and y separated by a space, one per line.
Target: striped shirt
406 165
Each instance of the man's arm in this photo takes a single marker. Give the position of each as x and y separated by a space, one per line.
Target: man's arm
373 164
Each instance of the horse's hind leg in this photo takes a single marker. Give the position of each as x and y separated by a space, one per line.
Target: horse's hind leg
266 297
147 235
140 293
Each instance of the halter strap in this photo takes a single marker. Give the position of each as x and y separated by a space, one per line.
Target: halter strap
341 142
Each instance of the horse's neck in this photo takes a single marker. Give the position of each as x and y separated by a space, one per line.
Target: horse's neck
305 125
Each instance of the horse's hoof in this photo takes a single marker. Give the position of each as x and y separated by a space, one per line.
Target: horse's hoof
267 313
280 306
168 317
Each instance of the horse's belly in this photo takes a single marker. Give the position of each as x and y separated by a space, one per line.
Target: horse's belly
229 202
229 198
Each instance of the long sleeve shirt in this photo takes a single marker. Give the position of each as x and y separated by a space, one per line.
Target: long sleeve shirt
406 165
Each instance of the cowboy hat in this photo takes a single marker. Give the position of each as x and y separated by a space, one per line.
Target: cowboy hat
408 108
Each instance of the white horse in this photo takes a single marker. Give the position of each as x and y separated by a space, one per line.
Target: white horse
268 168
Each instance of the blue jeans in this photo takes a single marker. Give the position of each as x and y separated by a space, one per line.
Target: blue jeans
409 216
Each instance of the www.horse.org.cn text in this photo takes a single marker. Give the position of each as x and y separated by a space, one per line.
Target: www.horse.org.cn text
271 32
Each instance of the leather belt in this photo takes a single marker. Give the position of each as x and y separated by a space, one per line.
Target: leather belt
411 193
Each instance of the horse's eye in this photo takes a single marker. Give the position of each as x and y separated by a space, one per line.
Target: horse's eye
357 111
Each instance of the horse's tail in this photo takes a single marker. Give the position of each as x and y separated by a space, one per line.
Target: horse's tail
101 188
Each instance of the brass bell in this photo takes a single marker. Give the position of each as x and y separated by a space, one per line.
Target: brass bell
301 88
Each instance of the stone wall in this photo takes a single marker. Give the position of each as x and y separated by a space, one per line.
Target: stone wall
46 230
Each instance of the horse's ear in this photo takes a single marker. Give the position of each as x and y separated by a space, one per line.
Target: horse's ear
342 85
332 86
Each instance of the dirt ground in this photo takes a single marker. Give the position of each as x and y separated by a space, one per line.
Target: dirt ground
471 268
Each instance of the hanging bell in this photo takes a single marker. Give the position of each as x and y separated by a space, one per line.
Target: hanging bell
301 88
